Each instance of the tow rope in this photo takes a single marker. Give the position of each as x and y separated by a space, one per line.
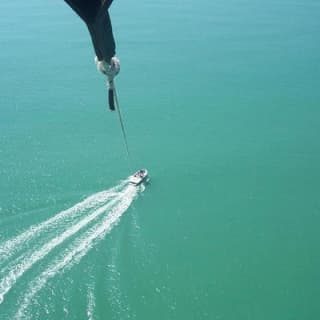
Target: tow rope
114 104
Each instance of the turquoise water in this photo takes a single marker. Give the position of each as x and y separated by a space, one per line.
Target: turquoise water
221 103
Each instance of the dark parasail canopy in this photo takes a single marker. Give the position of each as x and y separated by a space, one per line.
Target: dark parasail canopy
95 14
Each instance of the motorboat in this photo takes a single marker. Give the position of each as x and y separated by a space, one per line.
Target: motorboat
138 177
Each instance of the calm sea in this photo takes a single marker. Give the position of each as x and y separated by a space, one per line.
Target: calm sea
220 101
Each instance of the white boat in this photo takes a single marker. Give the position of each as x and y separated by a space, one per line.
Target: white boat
138 177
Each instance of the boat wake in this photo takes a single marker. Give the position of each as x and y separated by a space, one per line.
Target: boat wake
57 244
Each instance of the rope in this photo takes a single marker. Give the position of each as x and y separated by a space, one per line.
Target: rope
117 107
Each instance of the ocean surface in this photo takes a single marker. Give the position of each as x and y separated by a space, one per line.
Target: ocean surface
221 103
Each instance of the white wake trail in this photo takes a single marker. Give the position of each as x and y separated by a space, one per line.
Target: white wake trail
8 281
11 246
91 303
79 248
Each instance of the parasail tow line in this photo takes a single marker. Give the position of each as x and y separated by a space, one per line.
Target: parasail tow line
114 104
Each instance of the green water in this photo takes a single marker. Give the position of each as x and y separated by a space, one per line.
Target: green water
221 103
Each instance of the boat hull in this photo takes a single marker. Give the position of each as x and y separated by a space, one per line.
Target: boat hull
138 177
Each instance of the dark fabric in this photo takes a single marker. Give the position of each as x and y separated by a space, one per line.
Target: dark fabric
95 14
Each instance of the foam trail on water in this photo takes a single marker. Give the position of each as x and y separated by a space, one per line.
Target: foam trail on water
115 296
16 271
80 248
91 303
11 246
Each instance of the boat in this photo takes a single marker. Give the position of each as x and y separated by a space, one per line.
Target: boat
138 177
